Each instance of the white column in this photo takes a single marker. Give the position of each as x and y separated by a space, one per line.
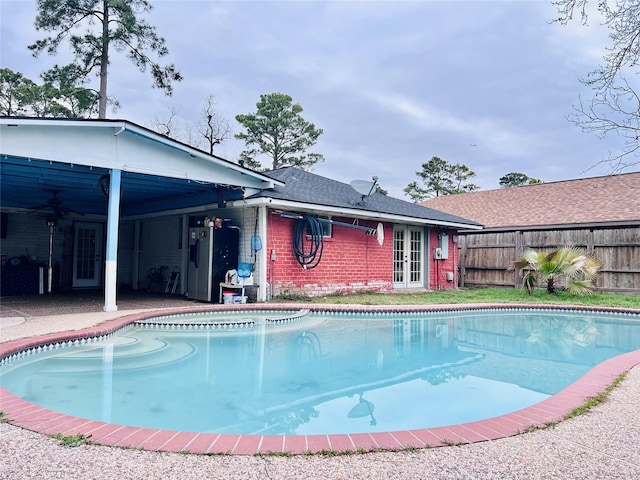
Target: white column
111 262
262 257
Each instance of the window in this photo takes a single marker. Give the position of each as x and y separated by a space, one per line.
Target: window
326 226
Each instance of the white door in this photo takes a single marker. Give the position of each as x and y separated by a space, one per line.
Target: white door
408 257
87 255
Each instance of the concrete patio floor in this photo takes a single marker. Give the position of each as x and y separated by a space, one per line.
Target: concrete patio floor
86 302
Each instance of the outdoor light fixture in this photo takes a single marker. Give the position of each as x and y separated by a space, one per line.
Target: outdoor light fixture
103 184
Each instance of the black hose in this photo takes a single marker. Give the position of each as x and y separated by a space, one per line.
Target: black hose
308 241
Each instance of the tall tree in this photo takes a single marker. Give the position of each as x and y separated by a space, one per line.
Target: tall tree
460 174
615 106
107 24
210 130
73 100
515 179
17 93
58 96
213 128
278 131
169 126
440 177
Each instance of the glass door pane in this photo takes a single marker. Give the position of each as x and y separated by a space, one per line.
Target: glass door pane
415 256
87 255
399 257
85 251
408 257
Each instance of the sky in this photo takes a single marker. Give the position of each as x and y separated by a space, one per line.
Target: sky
487 84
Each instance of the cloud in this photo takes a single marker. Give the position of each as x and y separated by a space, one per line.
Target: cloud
391 83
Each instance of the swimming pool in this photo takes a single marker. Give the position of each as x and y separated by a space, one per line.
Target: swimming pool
316 373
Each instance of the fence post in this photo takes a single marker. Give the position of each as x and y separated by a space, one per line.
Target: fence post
462 262
517 275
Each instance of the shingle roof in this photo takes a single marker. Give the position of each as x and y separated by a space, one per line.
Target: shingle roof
311 189
598 200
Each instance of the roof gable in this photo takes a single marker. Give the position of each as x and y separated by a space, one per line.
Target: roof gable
613 199
311 189
41 158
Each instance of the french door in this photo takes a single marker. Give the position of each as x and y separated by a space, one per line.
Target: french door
408 257
87 255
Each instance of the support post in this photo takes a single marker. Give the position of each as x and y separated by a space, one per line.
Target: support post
111 262
264 287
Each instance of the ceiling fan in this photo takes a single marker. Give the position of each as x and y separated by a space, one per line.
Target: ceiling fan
55 204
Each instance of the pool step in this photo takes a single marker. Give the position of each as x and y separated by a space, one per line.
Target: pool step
126 357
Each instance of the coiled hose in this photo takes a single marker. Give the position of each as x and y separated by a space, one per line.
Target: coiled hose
308 241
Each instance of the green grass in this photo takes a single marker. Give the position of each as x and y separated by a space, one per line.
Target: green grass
473 295
71 440
592 402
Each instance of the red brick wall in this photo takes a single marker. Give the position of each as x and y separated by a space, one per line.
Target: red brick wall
438 269
351 260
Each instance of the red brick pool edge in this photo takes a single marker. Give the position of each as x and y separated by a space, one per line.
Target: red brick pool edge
32 417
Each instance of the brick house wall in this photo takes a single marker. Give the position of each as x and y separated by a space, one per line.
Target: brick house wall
351 260
438 269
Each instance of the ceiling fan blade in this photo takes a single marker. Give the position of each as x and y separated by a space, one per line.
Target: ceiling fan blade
35 209
70 210
56 205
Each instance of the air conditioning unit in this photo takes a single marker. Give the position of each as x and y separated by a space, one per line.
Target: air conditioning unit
437 253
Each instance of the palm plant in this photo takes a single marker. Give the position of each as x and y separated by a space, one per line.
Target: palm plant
580 269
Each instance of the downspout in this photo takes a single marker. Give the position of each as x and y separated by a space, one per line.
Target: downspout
426 232
111 261
428 259
454 251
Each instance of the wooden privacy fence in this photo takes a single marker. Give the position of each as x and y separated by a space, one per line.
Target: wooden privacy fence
485 257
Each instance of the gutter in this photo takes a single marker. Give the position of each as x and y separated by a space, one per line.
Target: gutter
347 212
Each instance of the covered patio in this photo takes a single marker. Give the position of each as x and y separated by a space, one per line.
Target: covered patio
92 174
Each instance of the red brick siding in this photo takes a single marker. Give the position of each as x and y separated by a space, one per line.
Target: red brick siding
438 269
351 260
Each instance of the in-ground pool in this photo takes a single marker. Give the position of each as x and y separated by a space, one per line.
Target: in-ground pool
310 373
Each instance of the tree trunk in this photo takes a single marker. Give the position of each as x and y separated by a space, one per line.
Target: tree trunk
551 288
104 62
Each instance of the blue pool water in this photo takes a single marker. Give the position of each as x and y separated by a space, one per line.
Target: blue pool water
320 373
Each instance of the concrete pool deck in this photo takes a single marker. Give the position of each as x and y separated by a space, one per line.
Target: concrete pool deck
18 335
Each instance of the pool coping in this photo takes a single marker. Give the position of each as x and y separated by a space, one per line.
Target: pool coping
26 415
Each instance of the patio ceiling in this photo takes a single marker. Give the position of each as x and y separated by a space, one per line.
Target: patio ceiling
42 159
27 184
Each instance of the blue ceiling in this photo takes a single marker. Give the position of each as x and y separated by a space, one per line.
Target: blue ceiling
28 183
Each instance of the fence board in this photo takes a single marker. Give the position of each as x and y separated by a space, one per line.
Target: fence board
485 257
